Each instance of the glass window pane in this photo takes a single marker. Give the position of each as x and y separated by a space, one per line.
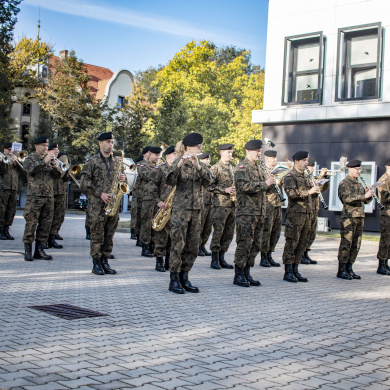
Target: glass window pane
306 87
308 57
364 82
364 50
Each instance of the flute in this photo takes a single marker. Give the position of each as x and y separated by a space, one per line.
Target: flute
324 205
366 186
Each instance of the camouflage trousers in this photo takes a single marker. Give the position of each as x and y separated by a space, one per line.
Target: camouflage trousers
59 213
384 242
248 238
351 231
223 224
297 236
103 229
8 200
133 213
38 214
88 216
138 219
185 237
272 228
148 212
207 223
162 241
313 229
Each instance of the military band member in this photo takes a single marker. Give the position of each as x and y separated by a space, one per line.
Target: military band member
273 217
133 211
207 213
224 212
188 175
8 191
251 186
162 238
97 177
41 172
353 196
299 191
384 242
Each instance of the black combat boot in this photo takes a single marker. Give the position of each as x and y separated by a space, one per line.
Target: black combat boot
28 252
342 273
160 264
264 260
106 267
186 284
349 269
296 273
97 268
239 277
132 234
58 237
40 252
307 257
174 284
288 274
304 260
271 261
204 250
382 270
387 265
215 260
52 242
112 257
200 252
222 261
138 243
166 264
145 251
7 233
249 278
88 234
2 236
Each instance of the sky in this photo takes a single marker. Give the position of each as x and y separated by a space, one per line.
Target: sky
134 35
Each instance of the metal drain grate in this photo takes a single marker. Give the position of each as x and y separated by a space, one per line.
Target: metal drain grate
68 312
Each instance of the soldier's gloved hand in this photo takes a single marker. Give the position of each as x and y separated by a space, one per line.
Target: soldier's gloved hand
122 177
271 180
314 190
230 190
161 205
105 197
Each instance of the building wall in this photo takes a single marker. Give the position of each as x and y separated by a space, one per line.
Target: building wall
119 85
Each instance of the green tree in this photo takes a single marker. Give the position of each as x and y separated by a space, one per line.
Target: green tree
145 79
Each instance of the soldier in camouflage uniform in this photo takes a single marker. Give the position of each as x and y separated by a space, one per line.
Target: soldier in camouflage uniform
149 195
133 221
273 217
207 213
41 172
224 213
353 196
251 186
384 243
97 176
8 191
188 175
162 238
299 190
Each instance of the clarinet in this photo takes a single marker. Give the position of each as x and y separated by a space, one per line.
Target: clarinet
324 205
282 198
365 186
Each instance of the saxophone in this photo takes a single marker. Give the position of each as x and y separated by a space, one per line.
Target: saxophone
162 216
118 189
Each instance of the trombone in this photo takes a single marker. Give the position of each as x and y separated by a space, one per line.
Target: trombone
4 158
75 170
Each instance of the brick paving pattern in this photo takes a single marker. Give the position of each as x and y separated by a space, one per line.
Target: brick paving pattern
325 334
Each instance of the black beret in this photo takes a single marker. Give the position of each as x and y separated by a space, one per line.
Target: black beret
169 150
387 162
60 154
203 156
312 162
192 139
300 155
145 149
41 140
354 164
270 153
253 144
155 149
104 136
52 146
138 159
8 145
226 147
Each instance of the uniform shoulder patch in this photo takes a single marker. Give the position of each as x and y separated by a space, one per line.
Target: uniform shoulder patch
341 183
288 174
212 167
142 165
241 166
155 167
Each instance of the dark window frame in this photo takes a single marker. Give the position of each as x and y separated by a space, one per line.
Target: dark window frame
291 45
26 109
344 55
123 102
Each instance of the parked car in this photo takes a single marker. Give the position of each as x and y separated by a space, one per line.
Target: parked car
80 204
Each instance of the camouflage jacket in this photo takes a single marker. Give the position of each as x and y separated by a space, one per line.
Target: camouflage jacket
250 189
297 186
316 197
40 176
384 194
223 177
351 194
61 185
188 181
157 176
147 189
207 195
95 177
9 176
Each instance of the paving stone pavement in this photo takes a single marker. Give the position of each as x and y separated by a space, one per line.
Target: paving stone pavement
324 334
